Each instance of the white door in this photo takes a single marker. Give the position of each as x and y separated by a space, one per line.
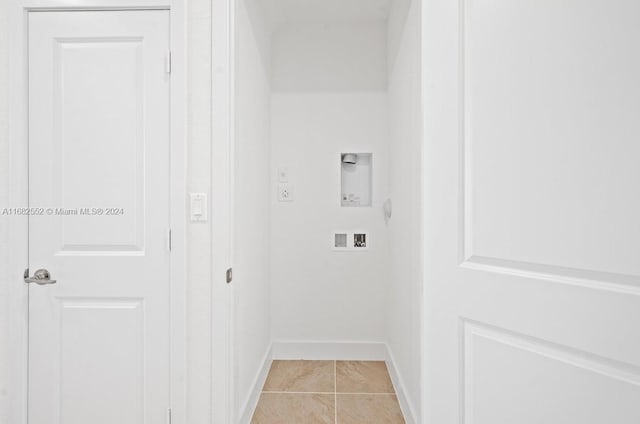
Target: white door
532 209
99 168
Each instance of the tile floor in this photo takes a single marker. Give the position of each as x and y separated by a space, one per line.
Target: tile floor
328 392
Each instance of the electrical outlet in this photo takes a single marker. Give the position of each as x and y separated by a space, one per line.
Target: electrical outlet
285 192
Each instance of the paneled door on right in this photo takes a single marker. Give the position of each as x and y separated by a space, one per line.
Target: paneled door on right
99 156
532 209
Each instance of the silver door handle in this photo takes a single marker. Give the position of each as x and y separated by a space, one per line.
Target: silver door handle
40 277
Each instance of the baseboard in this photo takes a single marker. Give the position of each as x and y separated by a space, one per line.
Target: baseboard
341 351
251 402
401 392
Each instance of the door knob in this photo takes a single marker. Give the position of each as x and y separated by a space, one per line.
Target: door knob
40 277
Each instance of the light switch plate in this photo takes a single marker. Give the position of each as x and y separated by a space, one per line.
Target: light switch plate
198 207
285 192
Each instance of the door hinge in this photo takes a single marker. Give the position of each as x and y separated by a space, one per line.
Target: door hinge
169 239
168 415
229 275
167 64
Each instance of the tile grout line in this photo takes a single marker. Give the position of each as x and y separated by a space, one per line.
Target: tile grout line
276 392
366 394
335 390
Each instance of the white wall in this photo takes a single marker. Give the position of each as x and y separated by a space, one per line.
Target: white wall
251 210
330 56
319 294
405 229
199 246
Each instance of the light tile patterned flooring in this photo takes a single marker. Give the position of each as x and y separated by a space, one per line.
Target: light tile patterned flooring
328 392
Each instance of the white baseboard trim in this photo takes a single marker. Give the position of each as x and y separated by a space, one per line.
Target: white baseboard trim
341 351
253 397
401 392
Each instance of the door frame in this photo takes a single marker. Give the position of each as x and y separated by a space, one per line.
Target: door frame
222 186
18 193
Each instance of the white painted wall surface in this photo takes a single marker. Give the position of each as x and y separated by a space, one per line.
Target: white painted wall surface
405 227
251 317
199 244
320 294
330 56
4 168
329 81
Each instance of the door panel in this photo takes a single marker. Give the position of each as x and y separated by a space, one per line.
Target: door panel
532 278
99 169
555 383
116 69
557 112
104 339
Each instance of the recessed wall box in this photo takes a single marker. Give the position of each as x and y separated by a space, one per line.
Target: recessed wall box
340 240
356 175
359 240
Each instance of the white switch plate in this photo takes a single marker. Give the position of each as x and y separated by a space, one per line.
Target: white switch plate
285 192
198 207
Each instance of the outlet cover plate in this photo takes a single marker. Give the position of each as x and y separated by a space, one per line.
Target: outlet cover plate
285 192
